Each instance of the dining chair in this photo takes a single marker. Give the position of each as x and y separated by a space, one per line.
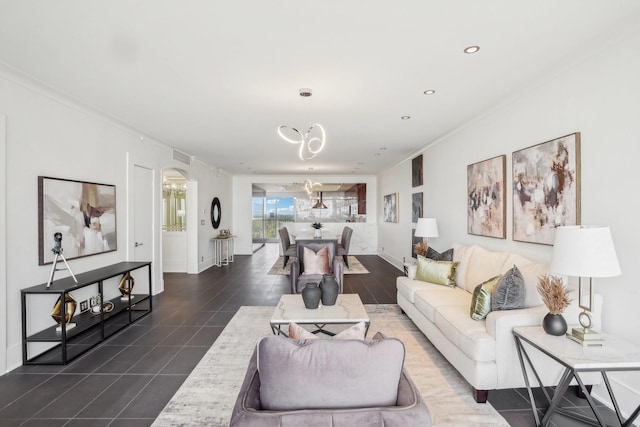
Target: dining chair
343 245
288 249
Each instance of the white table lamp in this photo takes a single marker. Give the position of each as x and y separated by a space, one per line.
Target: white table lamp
585 251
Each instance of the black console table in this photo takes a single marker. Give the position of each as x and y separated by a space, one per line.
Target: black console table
51 347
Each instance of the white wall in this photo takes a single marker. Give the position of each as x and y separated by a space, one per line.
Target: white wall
597 96
51 135
242 196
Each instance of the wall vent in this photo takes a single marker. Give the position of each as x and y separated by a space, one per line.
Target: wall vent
181 157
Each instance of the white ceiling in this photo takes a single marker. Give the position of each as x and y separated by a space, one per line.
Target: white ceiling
216 78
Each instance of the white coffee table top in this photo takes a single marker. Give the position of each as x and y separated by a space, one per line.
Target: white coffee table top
348 309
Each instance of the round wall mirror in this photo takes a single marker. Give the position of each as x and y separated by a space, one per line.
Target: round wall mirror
215 213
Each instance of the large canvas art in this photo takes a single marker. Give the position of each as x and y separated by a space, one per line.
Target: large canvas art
546 189
83 212
416 171
486 211
416 207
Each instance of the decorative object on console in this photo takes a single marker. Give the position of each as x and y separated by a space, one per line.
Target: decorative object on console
69 310
556 298
390 211
426 227
329 287
486 208
216 213
546 189
317 232
126 285
585 251
416 171
84 212
312 141
311 295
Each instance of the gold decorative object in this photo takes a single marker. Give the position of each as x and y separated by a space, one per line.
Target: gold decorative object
553 293
70 309
421 248
126 285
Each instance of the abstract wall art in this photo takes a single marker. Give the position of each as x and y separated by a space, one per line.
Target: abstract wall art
546 189
390 210
416 206
416 171
486 209
84 212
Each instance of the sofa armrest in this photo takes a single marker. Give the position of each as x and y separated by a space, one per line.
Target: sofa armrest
295 273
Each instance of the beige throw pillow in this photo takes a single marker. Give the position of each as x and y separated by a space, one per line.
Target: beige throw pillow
316 262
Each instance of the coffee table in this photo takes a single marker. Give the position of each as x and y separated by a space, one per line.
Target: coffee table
348 310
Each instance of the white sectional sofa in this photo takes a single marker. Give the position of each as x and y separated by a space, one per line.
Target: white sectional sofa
483 351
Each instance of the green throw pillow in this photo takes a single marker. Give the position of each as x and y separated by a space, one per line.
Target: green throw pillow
481 299
438 272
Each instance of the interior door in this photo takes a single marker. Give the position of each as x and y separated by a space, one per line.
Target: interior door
143 214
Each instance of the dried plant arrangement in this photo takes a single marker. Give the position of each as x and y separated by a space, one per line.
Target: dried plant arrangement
553 293
421 248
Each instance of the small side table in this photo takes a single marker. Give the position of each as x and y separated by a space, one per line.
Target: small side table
615 355
218 257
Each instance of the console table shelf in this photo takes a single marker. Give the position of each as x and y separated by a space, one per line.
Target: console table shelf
91 328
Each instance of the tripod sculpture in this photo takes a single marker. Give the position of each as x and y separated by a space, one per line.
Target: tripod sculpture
57 249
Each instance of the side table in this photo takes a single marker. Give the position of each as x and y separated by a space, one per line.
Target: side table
615 355
218 257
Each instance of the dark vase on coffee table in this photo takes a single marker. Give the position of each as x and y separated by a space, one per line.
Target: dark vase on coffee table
329 287
311 295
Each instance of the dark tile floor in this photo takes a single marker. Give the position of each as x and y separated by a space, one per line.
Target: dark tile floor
128 379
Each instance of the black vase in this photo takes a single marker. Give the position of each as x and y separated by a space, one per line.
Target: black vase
311 295
554 324
329 287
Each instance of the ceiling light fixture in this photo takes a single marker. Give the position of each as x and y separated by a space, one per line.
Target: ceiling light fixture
319 204
311 142
405 117
472 49
429 92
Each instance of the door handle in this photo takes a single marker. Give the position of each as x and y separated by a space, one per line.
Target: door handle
139 244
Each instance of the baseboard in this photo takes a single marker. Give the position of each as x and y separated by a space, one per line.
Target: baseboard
391 260
627 395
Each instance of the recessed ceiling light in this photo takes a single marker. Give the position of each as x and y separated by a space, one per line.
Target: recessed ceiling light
383 148
472 49
405 117
429 92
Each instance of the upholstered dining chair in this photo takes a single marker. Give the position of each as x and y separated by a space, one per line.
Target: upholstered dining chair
318 261
288 249
343 245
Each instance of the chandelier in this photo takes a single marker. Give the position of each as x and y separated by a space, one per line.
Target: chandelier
311 142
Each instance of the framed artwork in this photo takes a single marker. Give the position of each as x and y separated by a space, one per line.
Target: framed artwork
416 171
546 189
416 207
486 209
391 207
83 212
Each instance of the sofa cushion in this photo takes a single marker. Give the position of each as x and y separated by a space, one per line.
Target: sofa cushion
509 293
481 299
437 272
316 374
483 265
428 300
407 287
437 256
461 255
469 335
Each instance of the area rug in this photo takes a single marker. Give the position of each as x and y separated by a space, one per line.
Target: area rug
208 395
355 267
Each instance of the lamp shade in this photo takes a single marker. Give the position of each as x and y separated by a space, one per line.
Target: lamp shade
584 251
427 227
